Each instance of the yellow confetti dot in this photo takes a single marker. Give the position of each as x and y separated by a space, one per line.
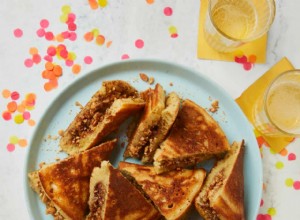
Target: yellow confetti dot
238 53
272 211
72 56
272 151
172 30
63 18
95 32
66 9
102 3
289 182
13 140
279 165
19 119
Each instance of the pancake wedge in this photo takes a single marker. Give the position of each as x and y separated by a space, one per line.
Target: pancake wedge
165 123
222 195
64 186
155 104
112 196
194 137
107 109
172 192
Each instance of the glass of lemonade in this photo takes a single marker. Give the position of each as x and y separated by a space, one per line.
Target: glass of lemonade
232 23
278 112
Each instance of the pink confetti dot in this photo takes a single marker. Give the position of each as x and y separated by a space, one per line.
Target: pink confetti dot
125 57
26 115
242 59
36 58
292 156
15 95
261 203
18 33
175 35
168 11
51 51
69 62
49 36
72 26
296 185
88 60
40 32
71 18
263 217
139 43
73 36
65 34
28 63
64 53
10 147
44 23
48 58
247 66
6 116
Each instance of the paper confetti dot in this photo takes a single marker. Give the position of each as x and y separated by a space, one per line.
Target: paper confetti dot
76 68
66 9
96 32
102 3
12 106
100 40
261 203
13 140
6 116
93 4
73 36
108 43
40 32
247 66
292 156
88 60
33 51
168 11
51 51
28 63
296 185
125 57
5 93
89 36
15 95
263 217
272 211
272 151
10 147
48 58
49 36
31 122
72 26
22 142
63 18
139 43
279 165
252 59
289 182
19 119
44 23
283 152
18 33
150 1
36 58
26 115
69 62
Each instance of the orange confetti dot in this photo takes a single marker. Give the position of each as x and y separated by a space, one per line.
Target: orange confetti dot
59 38
76 68
21 108
283 152
46 74
31 122
89 36
12 106
49 66
53 82
252 59
57 70
150 1
30 97
22 142
48 86
100 40
93 4
6 93
33 51
108 44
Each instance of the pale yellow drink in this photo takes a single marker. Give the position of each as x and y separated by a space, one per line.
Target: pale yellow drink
283 106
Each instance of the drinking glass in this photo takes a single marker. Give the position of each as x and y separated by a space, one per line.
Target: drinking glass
232 23
277 112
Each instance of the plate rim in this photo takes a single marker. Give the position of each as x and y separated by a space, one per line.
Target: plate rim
98 69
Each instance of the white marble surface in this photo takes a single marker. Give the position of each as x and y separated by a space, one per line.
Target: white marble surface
122 22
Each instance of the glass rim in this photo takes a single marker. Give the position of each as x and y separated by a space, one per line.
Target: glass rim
244 39
265 101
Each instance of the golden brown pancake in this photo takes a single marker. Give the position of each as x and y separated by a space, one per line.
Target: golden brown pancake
107 109
194 137
155 104
222 195
172 192
64 186
114 197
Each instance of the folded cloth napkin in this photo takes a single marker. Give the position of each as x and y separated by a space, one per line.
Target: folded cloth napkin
255 48
250 96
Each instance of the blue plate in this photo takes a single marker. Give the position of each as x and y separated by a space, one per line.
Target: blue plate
186 82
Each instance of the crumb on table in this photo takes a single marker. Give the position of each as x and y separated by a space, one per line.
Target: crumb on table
214 106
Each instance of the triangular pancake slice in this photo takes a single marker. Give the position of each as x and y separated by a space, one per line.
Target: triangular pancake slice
64 186
222 195
172 192
107 109
112 197
194 137
155 104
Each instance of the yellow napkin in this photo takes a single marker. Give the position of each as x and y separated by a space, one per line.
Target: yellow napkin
257 47
248 98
